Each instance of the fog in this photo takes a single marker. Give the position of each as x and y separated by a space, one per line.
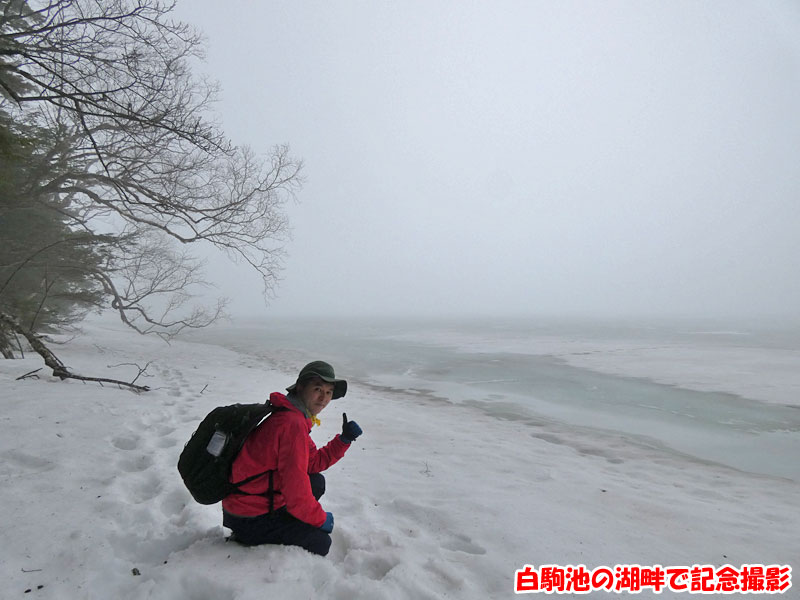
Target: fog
614 158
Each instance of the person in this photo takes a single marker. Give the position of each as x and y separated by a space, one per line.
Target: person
282 506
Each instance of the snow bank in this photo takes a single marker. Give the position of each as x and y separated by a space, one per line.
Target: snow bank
435 500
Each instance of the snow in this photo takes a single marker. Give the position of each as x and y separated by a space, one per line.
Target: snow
765 374
435 500
730 363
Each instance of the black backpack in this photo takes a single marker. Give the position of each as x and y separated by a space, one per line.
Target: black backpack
205 463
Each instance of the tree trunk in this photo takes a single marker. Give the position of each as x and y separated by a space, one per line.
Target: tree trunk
5 345
50 359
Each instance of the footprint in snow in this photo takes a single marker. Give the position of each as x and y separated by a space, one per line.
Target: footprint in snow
173 503
26 461
167 442
145 489
368 564
163 430
126 442
136 464
200 588
461 543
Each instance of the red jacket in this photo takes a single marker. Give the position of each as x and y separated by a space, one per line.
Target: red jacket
282 442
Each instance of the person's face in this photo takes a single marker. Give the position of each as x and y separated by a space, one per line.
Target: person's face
316 394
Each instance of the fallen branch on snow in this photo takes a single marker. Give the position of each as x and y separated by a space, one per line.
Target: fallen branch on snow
30 374
60 370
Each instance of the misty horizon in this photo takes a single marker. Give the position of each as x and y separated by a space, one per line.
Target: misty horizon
613 160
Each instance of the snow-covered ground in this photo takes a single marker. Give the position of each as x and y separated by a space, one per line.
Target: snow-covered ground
435 500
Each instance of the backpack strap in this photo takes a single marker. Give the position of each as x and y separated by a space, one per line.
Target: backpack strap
247 480
270 493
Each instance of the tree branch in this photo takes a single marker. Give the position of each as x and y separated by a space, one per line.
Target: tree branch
52 361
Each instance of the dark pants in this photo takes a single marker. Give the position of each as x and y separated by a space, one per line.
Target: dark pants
279 527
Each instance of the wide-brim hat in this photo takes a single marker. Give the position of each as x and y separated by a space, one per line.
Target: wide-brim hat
324 371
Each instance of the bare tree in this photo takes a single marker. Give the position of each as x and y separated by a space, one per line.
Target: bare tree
115 61
140 152
150 283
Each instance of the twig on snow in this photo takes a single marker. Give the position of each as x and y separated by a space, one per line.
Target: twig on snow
30 374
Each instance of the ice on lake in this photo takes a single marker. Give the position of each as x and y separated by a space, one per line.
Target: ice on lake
728 394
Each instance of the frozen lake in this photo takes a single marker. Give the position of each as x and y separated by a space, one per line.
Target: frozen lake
707 390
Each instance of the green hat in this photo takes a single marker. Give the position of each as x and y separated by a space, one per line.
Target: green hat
325 372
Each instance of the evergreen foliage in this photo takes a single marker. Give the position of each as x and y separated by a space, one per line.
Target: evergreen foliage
46 266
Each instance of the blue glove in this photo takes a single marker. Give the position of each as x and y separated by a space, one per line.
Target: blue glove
327 526
350 430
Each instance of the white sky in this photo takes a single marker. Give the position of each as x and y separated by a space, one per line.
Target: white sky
522 157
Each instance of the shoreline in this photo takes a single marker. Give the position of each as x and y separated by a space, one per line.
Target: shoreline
758 363
576 436
657 420
571 433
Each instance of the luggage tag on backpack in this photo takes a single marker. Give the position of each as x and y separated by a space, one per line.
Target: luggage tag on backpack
217 443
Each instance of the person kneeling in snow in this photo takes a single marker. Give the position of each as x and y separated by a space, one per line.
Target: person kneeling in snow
282 507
